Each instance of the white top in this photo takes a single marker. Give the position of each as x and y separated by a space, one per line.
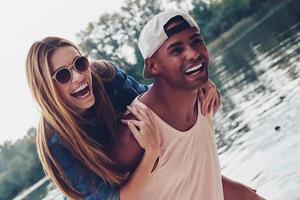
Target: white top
188 167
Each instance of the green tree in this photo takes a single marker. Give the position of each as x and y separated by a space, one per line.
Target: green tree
115 36
20 166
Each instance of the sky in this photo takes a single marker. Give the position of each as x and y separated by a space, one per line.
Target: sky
22 23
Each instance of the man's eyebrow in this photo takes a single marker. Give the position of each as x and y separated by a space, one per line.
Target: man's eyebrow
174 44
195 35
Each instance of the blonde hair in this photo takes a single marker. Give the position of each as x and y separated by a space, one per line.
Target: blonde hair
56 117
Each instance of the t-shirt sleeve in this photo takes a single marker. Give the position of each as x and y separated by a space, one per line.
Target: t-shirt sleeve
91 186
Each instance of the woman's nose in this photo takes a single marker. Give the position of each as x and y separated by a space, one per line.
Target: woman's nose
76 76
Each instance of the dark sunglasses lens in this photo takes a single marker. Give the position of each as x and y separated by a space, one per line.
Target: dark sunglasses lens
81 64
63 76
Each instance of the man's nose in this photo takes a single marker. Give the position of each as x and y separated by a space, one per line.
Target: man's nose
192 53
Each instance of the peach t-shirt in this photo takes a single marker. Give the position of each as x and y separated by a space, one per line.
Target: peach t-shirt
188 167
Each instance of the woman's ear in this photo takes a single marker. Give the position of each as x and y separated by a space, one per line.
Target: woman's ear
152 66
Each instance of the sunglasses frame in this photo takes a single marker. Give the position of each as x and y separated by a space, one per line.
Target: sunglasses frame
70 68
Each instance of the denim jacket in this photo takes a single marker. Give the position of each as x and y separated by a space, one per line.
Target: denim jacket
121 90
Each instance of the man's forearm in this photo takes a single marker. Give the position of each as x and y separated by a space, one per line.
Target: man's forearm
233 190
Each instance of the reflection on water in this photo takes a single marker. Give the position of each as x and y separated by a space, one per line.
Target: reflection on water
258 128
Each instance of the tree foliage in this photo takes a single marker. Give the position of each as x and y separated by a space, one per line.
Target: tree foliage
216 17
114 36
19 165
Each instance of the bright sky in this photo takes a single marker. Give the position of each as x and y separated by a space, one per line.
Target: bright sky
22 23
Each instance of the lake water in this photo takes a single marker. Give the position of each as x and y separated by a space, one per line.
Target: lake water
258 127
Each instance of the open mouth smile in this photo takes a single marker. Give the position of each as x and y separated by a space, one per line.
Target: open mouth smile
81 92
195 69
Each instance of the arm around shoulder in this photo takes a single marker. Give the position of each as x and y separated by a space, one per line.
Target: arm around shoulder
129 154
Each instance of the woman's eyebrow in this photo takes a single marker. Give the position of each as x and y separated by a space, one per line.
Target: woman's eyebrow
71 62
65 66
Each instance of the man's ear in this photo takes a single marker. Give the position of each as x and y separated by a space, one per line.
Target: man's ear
152 66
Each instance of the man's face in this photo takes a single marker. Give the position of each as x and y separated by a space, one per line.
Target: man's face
182 61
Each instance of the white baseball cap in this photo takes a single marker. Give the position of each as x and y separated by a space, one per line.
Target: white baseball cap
153 35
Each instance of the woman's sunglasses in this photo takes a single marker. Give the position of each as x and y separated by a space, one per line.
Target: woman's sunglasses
63 75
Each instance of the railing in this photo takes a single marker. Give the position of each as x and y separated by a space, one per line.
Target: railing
52 194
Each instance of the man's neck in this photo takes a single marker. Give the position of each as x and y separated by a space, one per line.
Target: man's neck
177 107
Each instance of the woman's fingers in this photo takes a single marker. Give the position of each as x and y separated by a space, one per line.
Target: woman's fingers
144 111
134 131
207 102
141 113
218 100
143 128
138 124
141 132
209 98
135 112
201 99
211 105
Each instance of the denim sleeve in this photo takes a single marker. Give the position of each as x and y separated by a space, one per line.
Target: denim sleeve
121 76
123 89
91 186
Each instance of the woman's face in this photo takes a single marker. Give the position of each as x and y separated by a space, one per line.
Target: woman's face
76 93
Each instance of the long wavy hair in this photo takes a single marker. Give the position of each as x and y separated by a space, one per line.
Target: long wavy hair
57 117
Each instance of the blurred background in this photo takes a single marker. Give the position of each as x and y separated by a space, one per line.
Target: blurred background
255 63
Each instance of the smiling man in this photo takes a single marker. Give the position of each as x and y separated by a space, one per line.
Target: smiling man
177 59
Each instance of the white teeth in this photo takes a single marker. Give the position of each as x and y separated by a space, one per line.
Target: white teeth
80 88
193 68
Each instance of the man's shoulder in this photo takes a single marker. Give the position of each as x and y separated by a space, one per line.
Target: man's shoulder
126 152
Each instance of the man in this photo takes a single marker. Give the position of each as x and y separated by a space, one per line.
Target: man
188 166
177 58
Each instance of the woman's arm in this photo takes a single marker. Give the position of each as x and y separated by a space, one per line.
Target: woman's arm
91 186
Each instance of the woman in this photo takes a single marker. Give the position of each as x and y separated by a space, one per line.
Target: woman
80 106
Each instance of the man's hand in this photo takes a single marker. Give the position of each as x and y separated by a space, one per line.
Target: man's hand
236 191
210 98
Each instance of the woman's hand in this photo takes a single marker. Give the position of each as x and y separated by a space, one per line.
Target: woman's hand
210 98
144 128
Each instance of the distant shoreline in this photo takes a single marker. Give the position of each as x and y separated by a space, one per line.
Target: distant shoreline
234 34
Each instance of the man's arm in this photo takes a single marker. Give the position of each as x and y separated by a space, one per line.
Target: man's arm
236 191
126 152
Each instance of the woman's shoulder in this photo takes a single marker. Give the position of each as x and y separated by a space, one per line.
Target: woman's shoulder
107 70
119 74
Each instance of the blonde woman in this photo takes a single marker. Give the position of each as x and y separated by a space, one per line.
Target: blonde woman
81 144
